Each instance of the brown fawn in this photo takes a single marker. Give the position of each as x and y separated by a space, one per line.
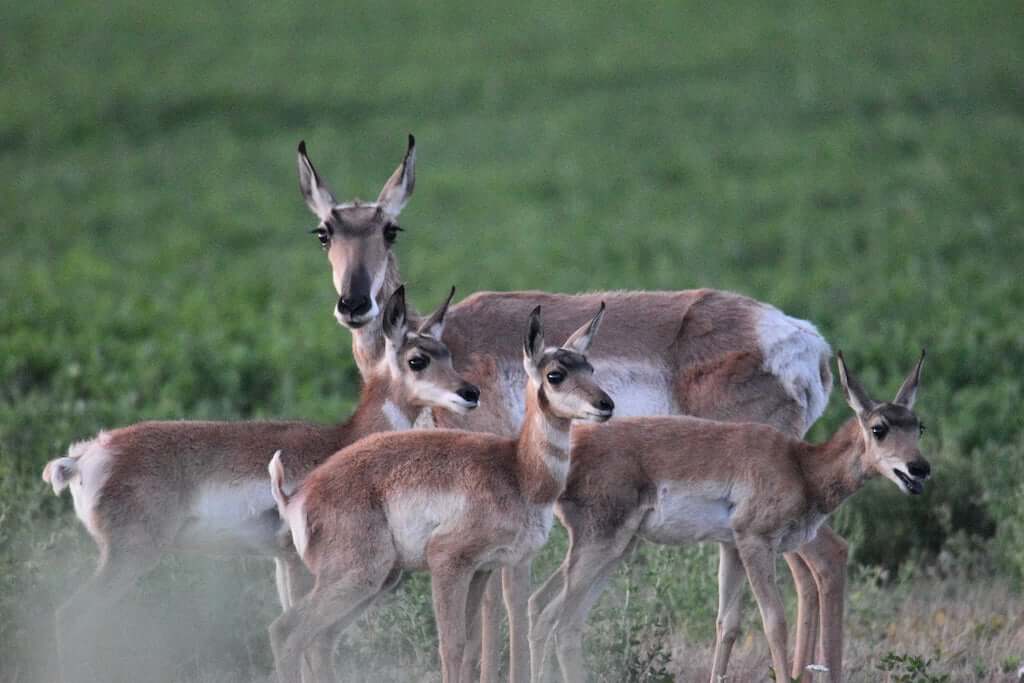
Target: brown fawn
454 503
154 487
754 490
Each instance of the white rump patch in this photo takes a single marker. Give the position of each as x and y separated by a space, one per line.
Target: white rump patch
296 519
93 458
418 515
793 351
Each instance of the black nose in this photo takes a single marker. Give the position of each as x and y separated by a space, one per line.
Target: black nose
354 305
469 393
606 404
919 469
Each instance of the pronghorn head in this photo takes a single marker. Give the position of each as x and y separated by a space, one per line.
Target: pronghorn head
891 430
358 236
562 376
419 364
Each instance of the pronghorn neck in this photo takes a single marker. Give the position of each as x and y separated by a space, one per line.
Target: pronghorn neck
380 409
368 341
542 450
834 470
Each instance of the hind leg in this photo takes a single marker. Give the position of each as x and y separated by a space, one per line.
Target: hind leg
80 634
320 617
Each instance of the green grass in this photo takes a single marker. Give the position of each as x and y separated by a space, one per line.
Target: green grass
859 166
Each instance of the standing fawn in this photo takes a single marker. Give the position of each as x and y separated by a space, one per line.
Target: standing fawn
705 353
454 503
754 490
155 487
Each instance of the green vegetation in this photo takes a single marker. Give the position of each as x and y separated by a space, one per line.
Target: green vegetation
858 165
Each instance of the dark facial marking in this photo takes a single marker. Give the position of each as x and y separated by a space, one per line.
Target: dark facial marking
429 346
569 360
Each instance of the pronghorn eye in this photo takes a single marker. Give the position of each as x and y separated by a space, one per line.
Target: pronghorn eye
391 232
556 376
323 235
418 363
880 430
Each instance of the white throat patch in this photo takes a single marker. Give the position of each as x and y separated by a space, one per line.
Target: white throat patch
396 418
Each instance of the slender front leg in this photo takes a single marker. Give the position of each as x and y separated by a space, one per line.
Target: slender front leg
450 585
516 586
490 631
826 555
759 561
730 598
473 609
542 620
806 612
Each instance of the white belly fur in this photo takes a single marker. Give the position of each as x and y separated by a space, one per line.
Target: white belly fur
417 516
227 518
687 512
638 388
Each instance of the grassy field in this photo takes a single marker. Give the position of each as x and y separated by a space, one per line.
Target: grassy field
858 165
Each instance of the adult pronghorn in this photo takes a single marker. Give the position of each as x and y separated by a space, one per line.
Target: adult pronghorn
707 353
202 486
683 480
451 502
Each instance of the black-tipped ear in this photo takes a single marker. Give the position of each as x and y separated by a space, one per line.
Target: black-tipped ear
908 392
434 325
394 319
318 196
533 343
580 340
398 189
856 397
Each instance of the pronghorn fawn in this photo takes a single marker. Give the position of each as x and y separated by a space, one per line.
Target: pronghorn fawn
754 490
155 487
454 503
705 353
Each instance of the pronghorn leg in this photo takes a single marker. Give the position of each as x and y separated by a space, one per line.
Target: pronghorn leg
541 627
806 612
584 583
473 599
759 561
490 631
293 581
730 612
80 620
450 586
826 556
320 655
516 586
316 617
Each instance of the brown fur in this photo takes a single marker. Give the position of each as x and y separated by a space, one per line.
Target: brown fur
495 494
776 489
704 340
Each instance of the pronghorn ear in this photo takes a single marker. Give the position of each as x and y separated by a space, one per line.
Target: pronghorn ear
852 390
316 193
398 189
395 323
582 338
533 343
908 392
434 325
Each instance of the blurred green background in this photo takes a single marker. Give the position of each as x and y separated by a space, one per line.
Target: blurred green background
858 165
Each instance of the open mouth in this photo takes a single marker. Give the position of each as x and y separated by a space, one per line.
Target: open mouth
914 487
